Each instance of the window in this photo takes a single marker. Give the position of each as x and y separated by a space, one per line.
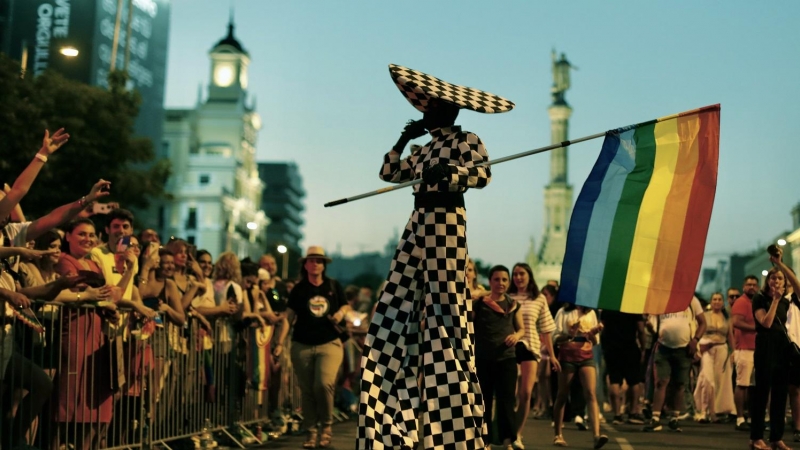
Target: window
191 221
205 179
190 240
165 149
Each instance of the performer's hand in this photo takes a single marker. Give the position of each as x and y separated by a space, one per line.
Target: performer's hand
556 366
414 129
435 173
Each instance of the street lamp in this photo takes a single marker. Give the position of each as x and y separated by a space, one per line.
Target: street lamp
68 51
284 251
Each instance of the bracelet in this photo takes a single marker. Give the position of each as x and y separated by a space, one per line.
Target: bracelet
82 201
40 157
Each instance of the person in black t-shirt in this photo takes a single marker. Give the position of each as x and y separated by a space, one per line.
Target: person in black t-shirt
773 351
318 305
622 337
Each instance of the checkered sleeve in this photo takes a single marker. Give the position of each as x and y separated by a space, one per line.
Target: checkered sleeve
396 170
472 153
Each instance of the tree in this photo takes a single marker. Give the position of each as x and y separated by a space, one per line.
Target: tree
101 145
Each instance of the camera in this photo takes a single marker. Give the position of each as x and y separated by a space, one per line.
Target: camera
773 250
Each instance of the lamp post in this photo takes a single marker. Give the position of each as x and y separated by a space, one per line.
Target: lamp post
285 269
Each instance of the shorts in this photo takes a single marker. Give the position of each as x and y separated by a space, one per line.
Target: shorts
623 363
571 367
523 354
745 375
673 364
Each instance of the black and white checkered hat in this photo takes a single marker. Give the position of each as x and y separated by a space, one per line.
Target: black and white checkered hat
419 88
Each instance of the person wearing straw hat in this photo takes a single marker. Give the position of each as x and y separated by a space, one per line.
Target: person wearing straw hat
319 305
427 281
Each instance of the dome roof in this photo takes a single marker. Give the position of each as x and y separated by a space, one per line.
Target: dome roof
230 40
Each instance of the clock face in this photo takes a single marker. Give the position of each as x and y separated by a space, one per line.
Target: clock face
223 75
243 78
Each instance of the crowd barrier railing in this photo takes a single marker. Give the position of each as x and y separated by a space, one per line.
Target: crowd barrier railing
74 380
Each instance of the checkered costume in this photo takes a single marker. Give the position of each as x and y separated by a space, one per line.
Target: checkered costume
426 281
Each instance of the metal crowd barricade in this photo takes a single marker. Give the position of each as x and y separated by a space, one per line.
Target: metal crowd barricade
137 384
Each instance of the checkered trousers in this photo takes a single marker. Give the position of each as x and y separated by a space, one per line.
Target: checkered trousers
426 281
460 149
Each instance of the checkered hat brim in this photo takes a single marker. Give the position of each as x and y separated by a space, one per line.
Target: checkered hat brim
419 88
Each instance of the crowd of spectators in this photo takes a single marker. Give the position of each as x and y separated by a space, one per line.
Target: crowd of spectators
96 315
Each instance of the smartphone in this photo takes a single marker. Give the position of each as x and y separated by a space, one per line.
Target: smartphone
101 208
123 244
191 250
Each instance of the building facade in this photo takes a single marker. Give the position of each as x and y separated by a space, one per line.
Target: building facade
35 32
215 190
282 201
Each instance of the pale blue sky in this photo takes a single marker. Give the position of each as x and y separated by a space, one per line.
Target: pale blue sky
319 72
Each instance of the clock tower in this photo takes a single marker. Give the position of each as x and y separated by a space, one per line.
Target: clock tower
229 61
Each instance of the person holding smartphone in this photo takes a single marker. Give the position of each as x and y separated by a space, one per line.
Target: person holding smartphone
772 355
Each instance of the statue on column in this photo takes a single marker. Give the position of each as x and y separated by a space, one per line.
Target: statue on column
561 83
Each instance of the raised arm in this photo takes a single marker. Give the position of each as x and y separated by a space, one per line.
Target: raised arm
24 181
65 213
394 169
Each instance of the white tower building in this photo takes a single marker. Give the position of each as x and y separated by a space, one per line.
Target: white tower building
215 188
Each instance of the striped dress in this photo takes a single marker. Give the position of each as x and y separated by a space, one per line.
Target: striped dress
537 320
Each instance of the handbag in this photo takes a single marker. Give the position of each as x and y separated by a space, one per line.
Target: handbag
795 349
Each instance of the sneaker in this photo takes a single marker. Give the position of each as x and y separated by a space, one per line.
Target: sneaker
684 416
636 419
617 420
600 441
653 425
580 423
518 445
673 424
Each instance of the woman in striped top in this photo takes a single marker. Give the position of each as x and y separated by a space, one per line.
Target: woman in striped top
538 324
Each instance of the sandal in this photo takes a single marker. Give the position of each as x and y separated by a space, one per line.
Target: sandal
325 437
779 445
559 441
311 440
600 441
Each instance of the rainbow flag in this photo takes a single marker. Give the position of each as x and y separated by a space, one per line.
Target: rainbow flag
258 356
638 230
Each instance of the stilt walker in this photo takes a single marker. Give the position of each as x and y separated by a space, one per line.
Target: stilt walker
427 281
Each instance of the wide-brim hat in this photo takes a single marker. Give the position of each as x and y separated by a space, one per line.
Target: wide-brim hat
317 252
419 88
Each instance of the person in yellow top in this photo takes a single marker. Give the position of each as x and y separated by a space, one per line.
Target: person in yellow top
119 269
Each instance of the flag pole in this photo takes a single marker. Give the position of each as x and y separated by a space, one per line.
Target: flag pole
521 155
481 164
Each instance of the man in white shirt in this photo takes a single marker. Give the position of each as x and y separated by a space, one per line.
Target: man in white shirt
678 334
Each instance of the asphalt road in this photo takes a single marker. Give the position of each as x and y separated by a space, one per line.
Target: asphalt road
539 435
